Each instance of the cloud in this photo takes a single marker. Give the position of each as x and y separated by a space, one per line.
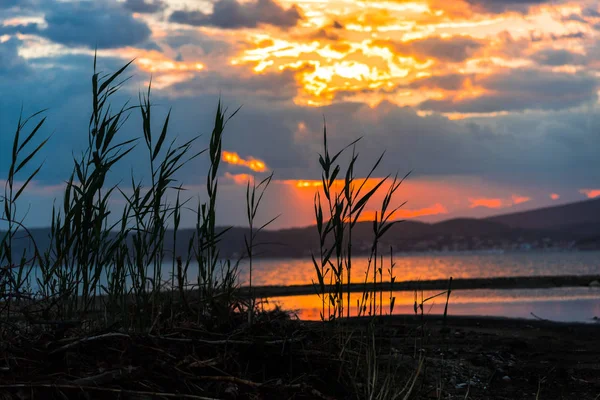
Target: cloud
4 4
451 49
516 199
522 89
558 57
230 14
591 12
496 202
91 24
446 82
568 36
486 202
239 179
12 65
501 6
24 29
145 6
421 212
233 158
237 82
590 193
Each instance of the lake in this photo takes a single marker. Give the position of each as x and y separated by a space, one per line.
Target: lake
560 304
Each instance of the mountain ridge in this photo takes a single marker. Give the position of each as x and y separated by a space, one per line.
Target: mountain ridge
561 226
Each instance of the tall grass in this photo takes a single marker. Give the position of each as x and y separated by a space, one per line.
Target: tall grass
337 210
101 263
14 271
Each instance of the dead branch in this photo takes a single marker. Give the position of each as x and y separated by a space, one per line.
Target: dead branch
139 393
89 339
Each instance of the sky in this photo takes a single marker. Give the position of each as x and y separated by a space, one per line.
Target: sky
492 104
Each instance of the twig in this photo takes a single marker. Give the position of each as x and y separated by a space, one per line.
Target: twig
104 378
89 339
538 318
227 341
256 385
103 389
231 379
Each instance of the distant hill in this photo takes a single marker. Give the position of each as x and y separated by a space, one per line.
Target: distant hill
564 226
558 217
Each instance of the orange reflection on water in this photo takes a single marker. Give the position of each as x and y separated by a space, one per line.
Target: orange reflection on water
511 303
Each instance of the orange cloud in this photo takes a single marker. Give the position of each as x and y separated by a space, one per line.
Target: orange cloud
252 163
590 193
520 199
433 210
239 179
338 184
486 202
554 196
402 213
305 184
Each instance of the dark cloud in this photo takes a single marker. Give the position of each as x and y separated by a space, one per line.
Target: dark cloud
62 85
324 34
26 29
558 57
91 24
145 6
237 83
4 4
523 89
574 17
549 147
446 82
574 35
500 6
591 12
195 40
12 65
452 49
229 14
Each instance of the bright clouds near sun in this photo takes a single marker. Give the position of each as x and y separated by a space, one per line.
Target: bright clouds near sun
459 58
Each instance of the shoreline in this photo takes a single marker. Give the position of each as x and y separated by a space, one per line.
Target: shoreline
514 282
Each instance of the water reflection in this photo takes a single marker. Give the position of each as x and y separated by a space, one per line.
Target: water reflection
436 266
561 304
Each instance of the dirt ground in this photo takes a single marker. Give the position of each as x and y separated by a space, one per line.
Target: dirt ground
496 358
281 358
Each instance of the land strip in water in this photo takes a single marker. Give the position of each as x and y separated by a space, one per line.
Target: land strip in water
514 282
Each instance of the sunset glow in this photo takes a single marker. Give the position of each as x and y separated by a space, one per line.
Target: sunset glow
472 95
520 199
591 193
485 202
234 159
